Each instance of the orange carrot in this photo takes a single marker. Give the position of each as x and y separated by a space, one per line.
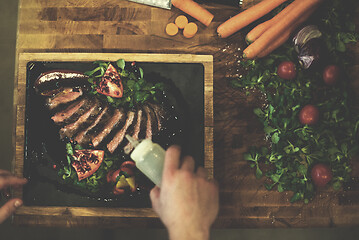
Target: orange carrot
246 17
181 21
171 29
265 40
190 30
258 30
194 10
255 33
274 45
284 37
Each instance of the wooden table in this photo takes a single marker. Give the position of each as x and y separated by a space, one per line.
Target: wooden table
118 26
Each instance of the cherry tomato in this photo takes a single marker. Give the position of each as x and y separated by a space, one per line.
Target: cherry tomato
331 74
309 115
128 164
129 171
109 176
114 175
286 70
321 174
118 191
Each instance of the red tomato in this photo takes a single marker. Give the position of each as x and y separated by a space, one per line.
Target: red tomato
321 174
129 171
114 175
331 74
128 167
118 191
109 176
286 70
309 115
128 164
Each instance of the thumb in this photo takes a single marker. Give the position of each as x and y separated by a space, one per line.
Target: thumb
155 195
9 208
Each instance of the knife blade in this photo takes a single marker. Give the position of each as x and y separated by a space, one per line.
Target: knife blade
166 4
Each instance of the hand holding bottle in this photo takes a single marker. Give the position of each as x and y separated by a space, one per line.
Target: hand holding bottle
187 202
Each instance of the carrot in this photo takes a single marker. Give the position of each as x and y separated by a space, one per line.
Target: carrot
258 30
181 21
246 17
190 30
171 29
265 40
194 10
255 33
284 37
278 42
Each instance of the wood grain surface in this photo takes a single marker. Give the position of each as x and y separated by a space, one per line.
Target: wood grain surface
118 26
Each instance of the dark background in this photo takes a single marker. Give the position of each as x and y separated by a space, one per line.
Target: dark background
8 24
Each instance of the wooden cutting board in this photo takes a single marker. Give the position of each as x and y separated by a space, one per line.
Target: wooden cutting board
118 26
41 212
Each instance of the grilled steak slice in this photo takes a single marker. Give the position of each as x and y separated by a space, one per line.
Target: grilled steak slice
151 125
159 114
110 125
116 141
66 96
70 129
70 111
83 137
136 131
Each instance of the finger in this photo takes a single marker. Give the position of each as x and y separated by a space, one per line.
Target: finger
201 172
8 181
188 164
214 182
172 160
154 196
9 208
5 172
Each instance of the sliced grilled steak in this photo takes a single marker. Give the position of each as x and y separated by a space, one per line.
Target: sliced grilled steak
66 96
136 131
150 119
159 113
116 141
62 116
83 136
110 125
70 129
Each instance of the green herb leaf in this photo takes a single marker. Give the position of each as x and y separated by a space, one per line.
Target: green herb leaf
121 64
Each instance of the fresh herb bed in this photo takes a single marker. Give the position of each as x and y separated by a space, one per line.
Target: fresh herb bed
295 148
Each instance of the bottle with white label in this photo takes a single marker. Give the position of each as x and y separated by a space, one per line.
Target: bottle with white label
149 158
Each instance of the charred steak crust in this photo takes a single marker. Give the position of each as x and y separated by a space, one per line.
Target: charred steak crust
66 96
70 129
110 125
84 137
118 138
159 114
60 78
145 124
136 131
63 116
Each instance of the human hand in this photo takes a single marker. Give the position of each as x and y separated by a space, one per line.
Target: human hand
187 202
8 180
